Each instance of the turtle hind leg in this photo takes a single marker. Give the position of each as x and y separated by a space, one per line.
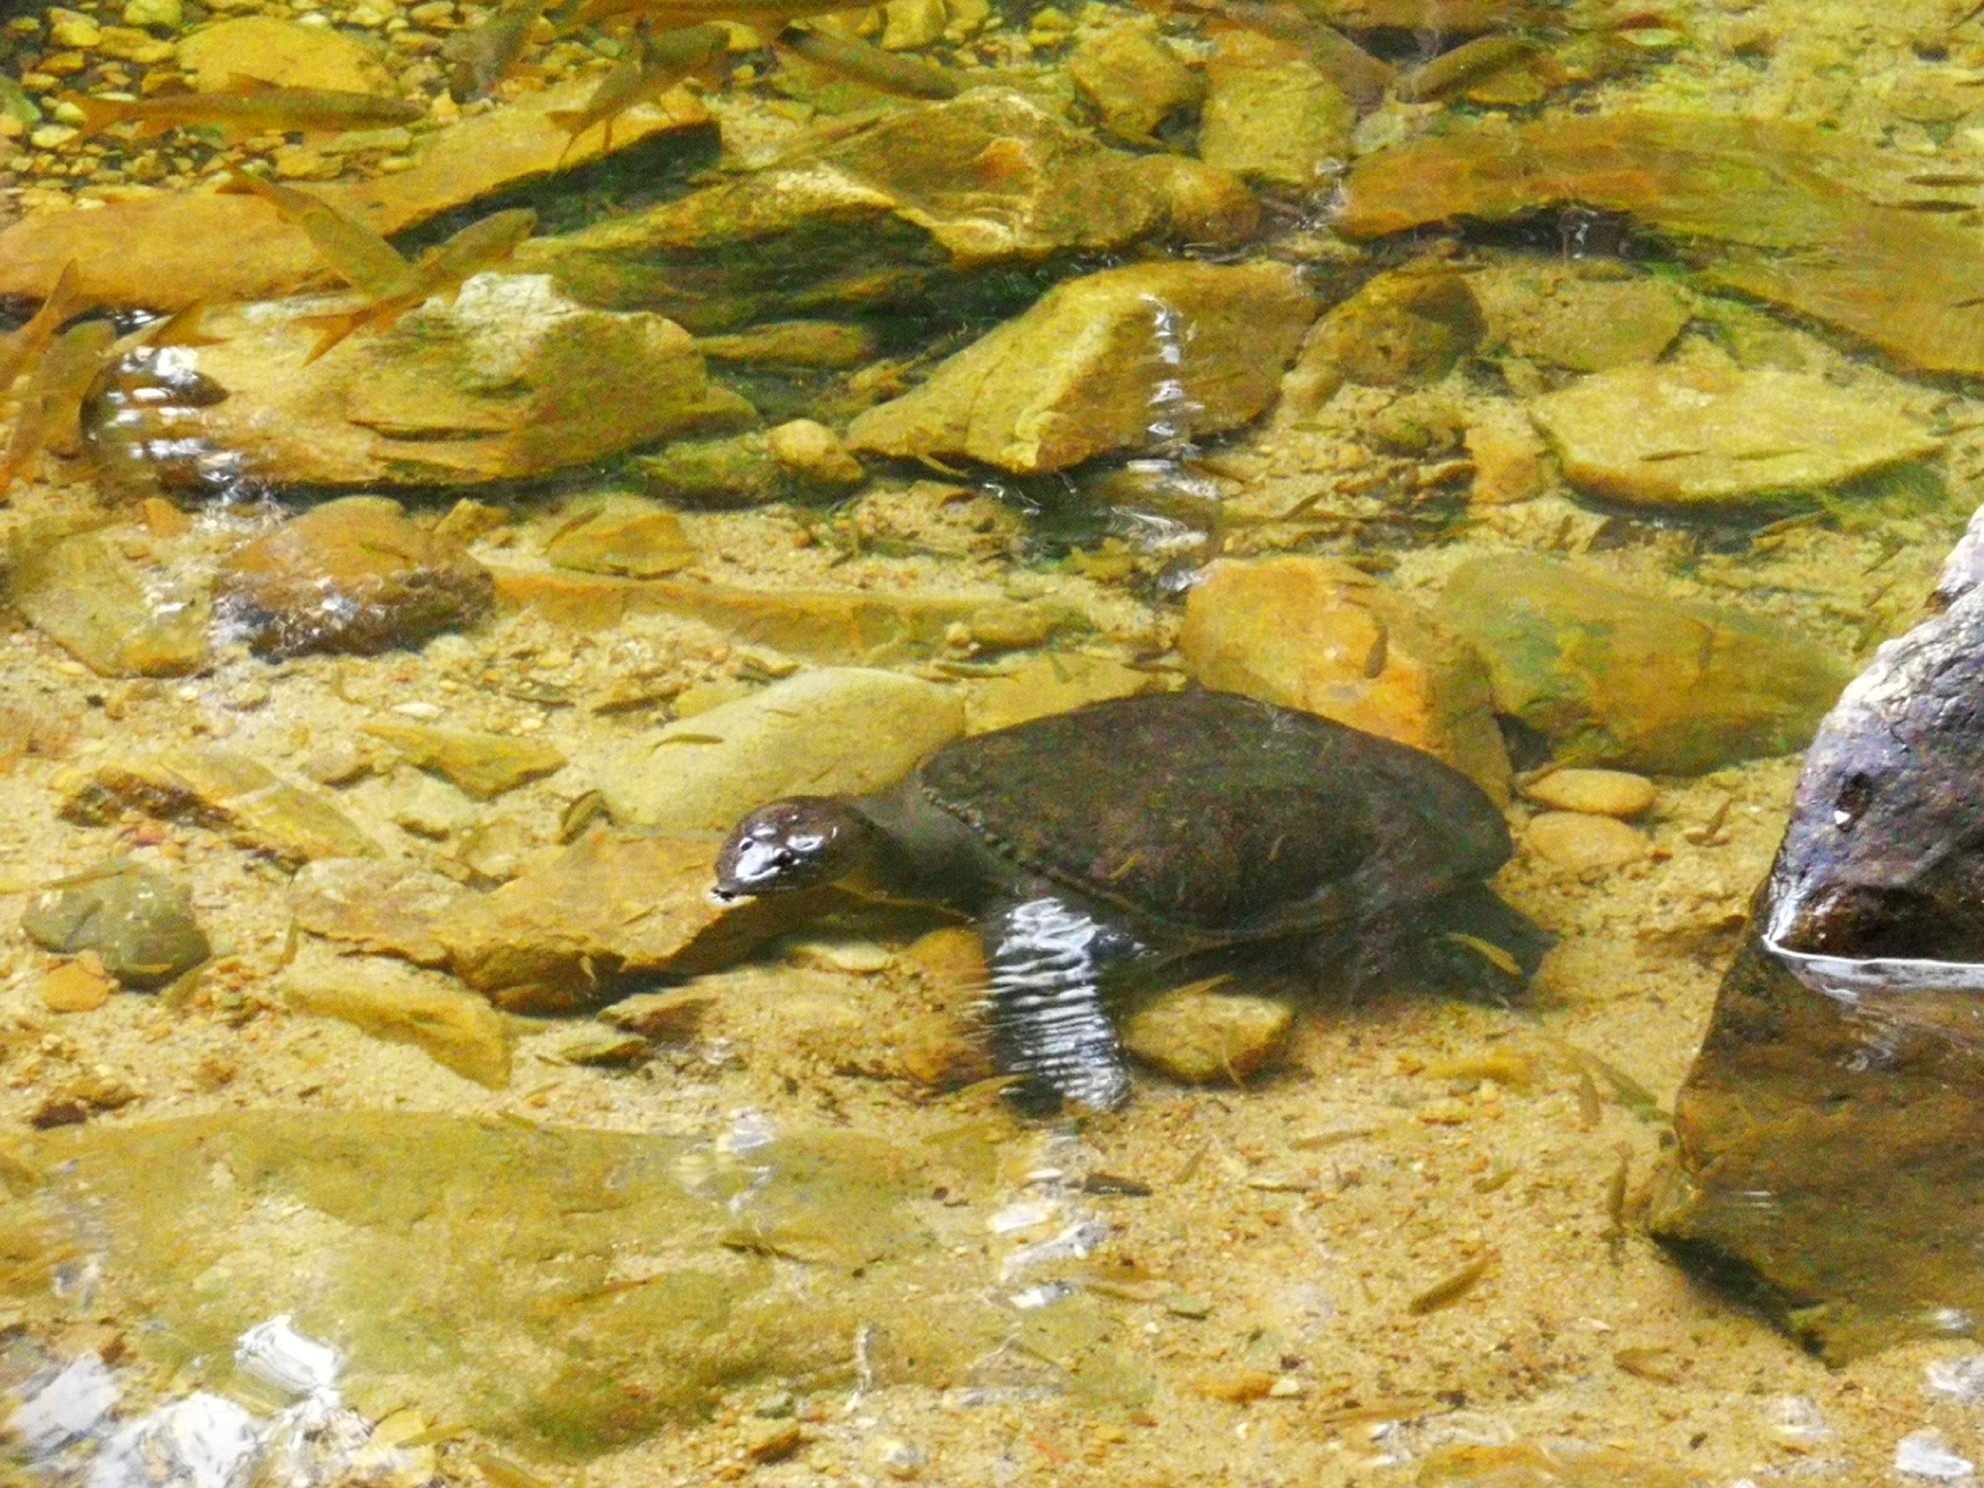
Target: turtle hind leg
1045 1007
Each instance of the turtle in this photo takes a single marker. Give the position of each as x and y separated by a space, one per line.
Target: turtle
1144 829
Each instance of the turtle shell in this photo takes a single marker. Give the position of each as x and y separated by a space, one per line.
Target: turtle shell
1220 816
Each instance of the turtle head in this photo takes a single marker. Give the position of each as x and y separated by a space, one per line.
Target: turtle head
798 843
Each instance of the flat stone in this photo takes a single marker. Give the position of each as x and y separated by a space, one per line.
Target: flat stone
216 248
559 1291
222 55
854 626
1273 117
614 906
1682 436
671 1017
351 576
621 534
1573 315
78 986
835 731
511 381
1133 80
380 908
886 214
1405 328
1583 844
389 1000
1319 635
139 922
168 15
229 793
1075 376
1594 792
1199 1034
119 615
484 765
1614 675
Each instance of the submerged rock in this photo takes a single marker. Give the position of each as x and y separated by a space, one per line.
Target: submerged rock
355 576
623 534
838 729
1124 359
484 765
1841 1076
512 380
1589 316
225 791
800 460
1200 1034
380 908
1133 79
1612 675
281 53
215 248
1319 635
1272 117
139 922
880 216
560 1291
391 1000
120 616
1404 329
1704 436
1782 212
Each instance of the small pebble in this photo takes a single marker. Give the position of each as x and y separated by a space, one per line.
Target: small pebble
170 14
1595 792
1929 1456
1570 839
71 28
78 986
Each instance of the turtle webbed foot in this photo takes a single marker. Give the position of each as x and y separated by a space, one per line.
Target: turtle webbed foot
1048 1022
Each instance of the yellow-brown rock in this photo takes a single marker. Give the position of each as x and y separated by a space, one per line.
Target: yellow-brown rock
390 1000
1595 792
353 576
1272 116
1079 374
78 986
121 616
1405 328
1134 80
1316 634
484 765
1583 844
1200 1033
227 53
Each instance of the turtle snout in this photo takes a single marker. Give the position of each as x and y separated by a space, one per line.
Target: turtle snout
753 864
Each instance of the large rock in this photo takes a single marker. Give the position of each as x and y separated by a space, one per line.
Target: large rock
561 1292
281 53
882 216
836 731
1273 117
1118 360
121 616
202 246
353 576
1586 314
512 381
1133 79
1663 435
1612 675
1319 635
613 907
392 1001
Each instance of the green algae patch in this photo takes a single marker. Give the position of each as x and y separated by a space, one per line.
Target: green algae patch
561 1291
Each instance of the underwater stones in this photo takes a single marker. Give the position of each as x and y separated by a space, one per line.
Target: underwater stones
120 615
562 1292
1319 635
837 730
1583 843
797 461
1589 316
1051 682
220 248
623 534
1782 212
380 908
139 922
1133 80
1615 793
1668 435
1405 328
482 764
513 380
1199 1034
612 906
1272 117
227 792
282 53
353 575
876 216
1079 374
393 1001
1612 675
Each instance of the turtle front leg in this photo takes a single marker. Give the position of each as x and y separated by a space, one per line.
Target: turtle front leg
1048 1022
